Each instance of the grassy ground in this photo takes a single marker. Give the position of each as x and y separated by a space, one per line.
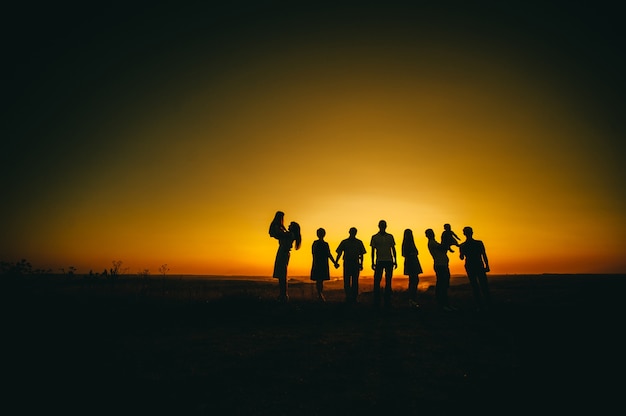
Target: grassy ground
552 344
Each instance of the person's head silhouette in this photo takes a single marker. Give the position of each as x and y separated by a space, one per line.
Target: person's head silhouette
352 232
468 232
382 225
429 233
294 228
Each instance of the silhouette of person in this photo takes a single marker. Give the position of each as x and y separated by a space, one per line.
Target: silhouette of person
277 226
383 259
441 262
449 238
320 271
477 267
352 250
286 239
412 266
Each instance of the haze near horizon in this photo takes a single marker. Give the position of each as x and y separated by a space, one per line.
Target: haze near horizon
173 133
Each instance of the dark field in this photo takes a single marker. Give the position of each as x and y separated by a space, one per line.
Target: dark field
552 344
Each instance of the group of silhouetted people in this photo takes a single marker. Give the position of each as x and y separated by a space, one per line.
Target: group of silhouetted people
384 261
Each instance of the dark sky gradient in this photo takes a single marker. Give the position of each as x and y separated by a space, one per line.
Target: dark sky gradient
75 73
66 59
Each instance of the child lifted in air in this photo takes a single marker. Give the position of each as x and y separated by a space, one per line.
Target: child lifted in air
449 238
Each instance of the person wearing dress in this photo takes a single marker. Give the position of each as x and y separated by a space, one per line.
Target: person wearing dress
412 266
286 237
320 270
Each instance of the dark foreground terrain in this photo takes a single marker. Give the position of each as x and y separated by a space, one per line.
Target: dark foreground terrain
551 345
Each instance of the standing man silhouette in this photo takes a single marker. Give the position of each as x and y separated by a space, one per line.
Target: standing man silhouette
477 267
383 259
352 250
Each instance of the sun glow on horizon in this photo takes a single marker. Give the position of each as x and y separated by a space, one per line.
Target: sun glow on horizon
188 165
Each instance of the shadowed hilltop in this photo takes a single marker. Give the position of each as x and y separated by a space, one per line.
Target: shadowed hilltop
201 346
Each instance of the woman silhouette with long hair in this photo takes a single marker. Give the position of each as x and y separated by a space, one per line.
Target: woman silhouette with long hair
320 270
412 266
286 238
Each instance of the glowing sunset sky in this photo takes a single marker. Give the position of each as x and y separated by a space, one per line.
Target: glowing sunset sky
173 133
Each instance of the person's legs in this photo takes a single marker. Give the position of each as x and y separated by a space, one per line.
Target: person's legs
320 289
484 287
282 285
441 286
378 275
347 284
471 275
351 276
280 272
413 282
388 277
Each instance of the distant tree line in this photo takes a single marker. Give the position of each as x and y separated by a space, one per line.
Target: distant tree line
23 268
20 268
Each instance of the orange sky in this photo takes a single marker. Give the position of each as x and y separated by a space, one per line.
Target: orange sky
182 156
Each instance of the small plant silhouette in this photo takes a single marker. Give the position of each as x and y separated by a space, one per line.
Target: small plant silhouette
115 271
163 269
17 269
